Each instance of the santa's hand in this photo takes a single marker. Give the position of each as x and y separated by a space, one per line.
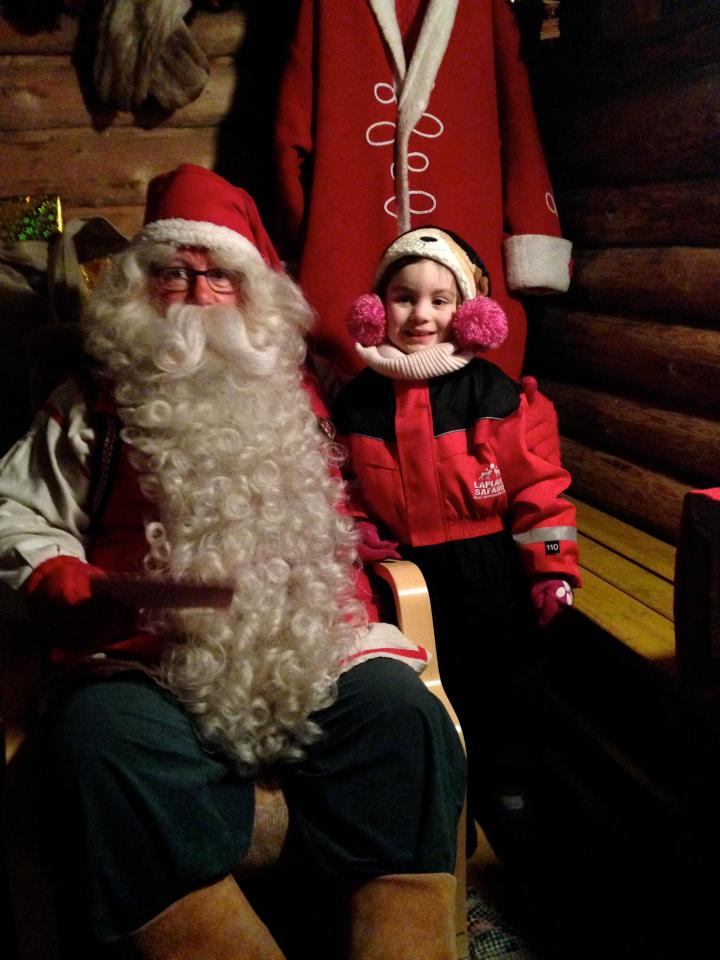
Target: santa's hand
60 596
372 547
549 597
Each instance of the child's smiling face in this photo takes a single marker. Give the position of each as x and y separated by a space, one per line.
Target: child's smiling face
420 301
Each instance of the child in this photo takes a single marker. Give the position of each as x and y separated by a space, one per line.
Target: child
438 441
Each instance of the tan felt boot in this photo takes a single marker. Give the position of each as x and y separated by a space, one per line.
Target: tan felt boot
213 923
403 916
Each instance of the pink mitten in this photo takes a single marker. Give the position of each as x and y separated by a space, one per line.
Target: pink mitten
549 597
542 436
372 547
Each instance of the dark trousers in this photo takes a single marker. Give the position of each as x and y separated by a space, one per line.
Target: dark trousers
489 657
147 815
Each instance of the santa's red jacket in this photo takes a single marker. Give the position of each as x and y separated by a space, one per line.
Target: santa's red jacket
117 509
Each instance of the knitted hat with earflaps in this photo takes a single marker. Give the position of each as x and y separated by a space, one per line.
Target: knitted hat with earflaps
195 207
479 323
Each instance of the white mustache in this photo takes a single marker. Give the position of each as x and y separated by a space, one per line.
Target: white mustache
228 337
191 330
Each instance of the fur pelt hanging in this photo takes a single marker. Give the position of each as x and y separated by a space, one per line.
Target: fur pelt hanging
145 50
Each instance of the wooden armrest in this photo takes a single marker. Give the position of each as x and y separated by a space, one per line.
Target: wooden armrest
414 616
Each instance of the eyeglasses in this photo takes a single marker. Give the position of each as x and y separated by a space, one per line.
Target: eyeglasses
180 279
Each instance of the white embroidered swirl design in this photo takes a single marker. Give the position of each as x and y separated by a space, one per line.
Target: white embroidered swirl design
429 208
369 133
382 133
388 90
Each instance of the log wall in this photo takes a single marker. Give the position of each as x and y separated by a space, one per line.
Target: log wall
56 137
627 103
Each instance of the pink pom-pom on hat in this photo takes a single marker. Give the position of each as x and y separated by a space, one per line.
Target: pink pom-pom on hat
479 324
366 321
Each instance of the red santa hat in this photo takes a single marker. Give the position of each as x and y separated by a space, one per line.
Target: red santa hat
195 207
480 322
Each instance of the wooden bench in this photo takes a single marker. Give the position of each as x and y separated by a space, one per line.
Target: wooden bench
628 583
617 730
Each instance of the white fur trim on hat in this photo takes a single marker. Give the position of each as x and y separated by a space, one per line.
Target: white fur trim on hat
432 244
200 233
536 263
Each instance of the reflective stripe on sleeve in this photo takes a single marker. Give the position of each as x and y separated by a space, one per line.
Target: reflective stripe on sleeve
541 534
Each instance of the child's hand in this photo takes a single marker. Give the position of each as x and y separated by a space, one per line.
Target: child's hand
372 547
549 597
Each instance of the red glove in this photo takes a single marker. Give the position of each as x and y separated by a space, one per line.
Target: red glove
549 597
542 436
60 597
371 547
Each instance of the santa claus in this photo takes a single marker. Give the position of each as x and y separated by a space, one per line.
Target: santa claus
197 452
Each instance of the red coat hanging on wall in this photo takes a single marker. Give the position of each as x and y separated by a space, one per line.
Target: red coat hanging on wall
369 145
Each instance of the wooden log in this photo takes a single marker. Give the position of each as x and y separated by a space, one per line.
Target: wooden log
678 282
43 92
684 212
89 169
127 220
595 22
650 500
677 443
620 19
672 364
594 67
656 131
219 34
59 39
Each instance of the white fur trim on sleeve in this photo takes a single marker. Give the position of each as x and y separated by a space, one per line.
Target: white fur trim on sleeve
386 640
536 263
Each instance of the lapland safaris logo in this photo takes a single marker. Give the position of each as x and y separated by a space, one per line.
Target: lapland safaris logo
489 483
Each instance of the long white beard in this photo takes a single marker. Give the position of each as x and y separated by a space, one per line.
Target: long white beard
233 459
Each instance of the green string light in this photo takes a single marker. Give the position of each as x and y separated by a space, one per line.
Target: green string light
25 217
